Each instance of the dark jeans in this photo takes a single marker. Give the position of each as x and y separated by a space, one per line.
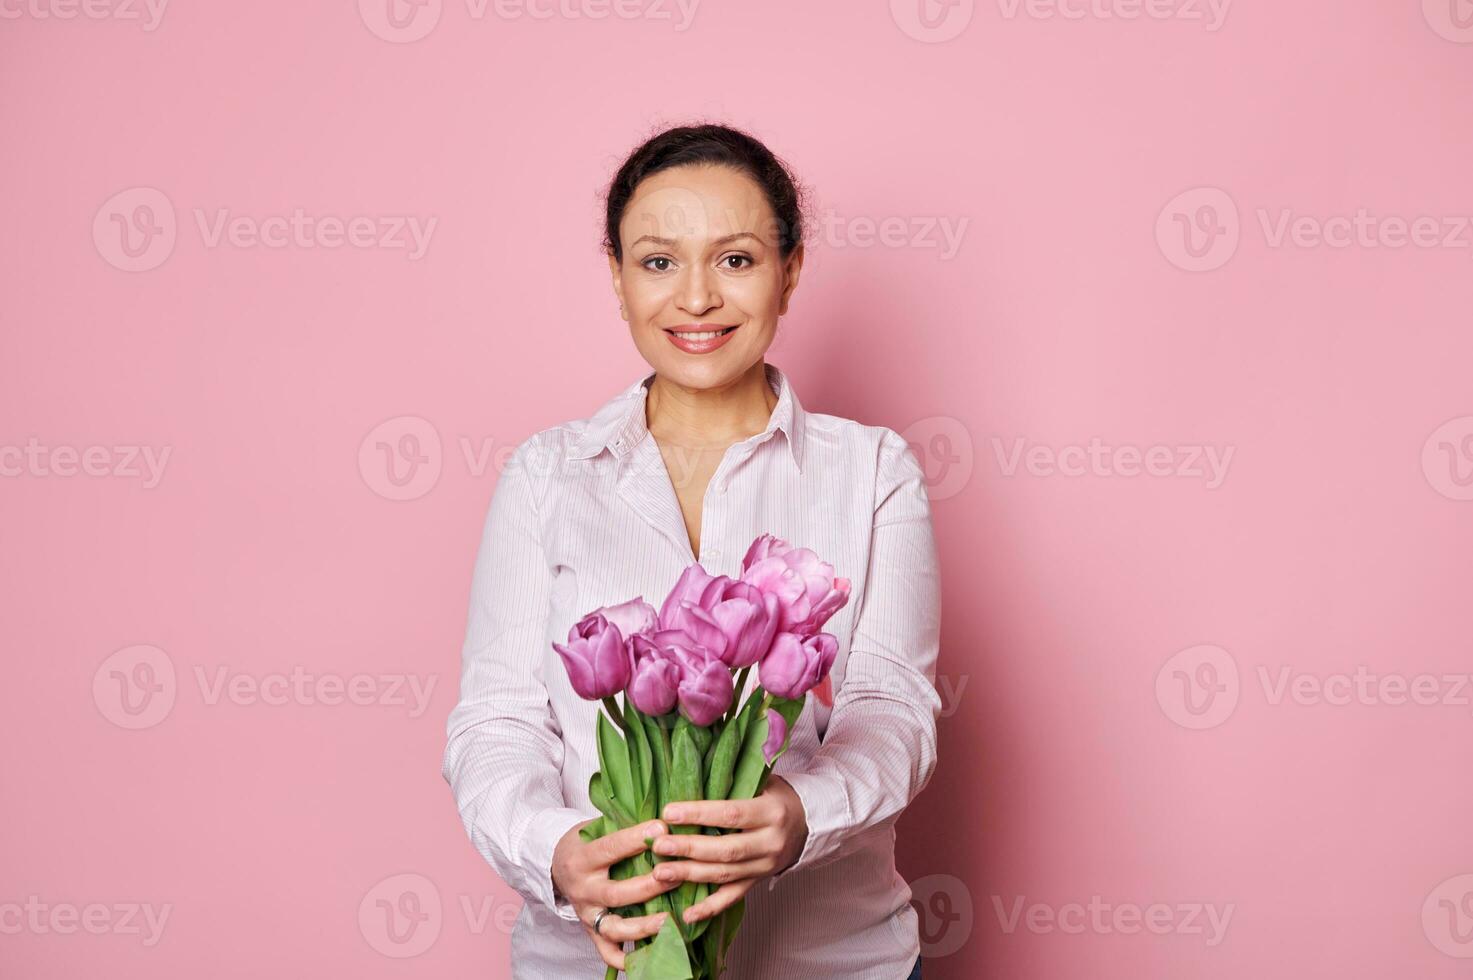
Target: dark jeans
916 973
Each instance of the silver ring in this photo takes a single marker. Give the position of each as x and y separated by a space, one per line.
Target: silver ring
598 921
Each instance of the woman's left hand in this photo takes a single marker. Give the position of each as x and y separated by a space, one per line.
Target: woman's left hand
773 829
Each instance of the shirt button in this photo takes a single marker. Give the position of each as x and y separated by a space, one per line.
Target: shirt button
714 554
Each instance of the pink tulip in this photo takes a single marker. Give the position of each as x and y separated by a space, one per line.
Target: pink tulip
748 620
694 586
777 733
796 664
703 687
705 693
700 626
656 678
596 658
632 617
765 546
808 593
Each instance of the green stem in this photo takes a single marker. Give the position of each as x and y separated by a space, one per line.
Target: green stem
741 683
615 714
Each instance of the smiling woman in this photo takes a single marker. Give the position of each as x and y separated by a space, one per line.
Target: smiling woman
688 464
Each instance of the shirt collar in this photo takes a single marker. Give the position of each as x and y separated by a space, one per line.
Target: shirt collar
620 425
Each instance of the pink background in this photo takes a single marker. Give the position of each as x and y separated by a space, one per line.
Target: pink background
1075 760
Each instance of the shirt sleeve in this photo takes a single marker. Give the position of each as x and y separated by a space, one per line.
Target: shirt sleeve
504 752
879 749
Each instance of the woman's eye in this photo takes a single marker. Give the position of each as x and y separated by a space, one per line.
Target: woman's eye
657 263
737 261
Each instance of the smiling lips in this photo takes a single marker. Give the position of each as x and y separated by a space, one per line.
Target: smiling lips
699 338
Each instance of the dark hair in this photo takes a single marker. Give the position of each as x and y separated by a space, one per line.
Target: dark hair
715 145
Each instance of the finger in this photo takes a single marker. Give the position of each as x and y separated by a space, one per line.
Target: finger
726 849
719 901
736 814
623 843
612 953
715 873
613 893
618 929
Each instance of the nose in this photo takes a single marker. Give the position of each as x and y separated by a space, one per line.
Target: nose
698 293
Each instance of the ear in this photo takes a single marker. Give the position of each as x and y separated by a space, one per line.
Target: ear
616 273
792 270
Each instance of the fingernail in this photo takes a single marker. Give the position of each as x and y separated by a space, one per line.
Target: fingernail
665 846
674 813
654 830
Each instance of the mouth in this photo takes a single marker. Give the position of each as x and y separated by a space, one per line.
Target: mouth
699 338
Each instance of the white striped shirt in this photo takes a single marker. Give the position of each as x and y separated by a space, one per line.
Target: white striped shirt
585 515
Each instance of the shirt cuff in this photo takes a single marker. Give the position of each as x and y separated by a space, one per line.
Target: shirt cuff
826 809
544 829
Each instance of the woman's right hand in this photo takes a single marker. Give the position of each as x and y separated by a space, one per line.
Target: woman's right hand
580 873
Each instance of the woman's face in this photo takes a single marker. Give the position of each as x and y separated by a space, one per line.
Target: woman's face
701 255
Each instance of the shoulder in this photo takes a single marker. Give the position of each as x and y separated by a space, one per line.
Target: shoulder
836 438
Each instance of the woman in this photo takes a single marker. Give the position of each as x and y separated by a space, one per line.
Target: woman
692 462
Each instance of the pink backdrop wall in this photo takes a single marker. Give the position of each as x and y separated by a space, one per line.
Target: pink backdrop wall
1171 297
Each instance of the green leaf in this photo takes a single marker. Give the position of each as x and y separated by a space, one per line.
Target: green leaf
721 765
702 736
613 759
664 959
752 768
639 744
734 920
593 831
685 770
790 709
685 784
659 740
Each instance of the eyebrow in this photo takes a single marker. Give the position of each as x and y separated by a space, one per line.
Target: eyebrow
670 242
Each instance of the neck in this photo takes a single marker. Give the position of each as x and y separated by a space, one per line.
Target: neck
710 418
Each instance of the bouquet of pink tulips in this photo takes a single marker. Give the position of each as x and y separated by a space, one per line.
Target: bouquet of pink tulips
679 733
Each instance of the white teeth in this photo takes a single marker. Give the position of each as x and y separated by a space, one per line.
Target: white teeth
704 335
